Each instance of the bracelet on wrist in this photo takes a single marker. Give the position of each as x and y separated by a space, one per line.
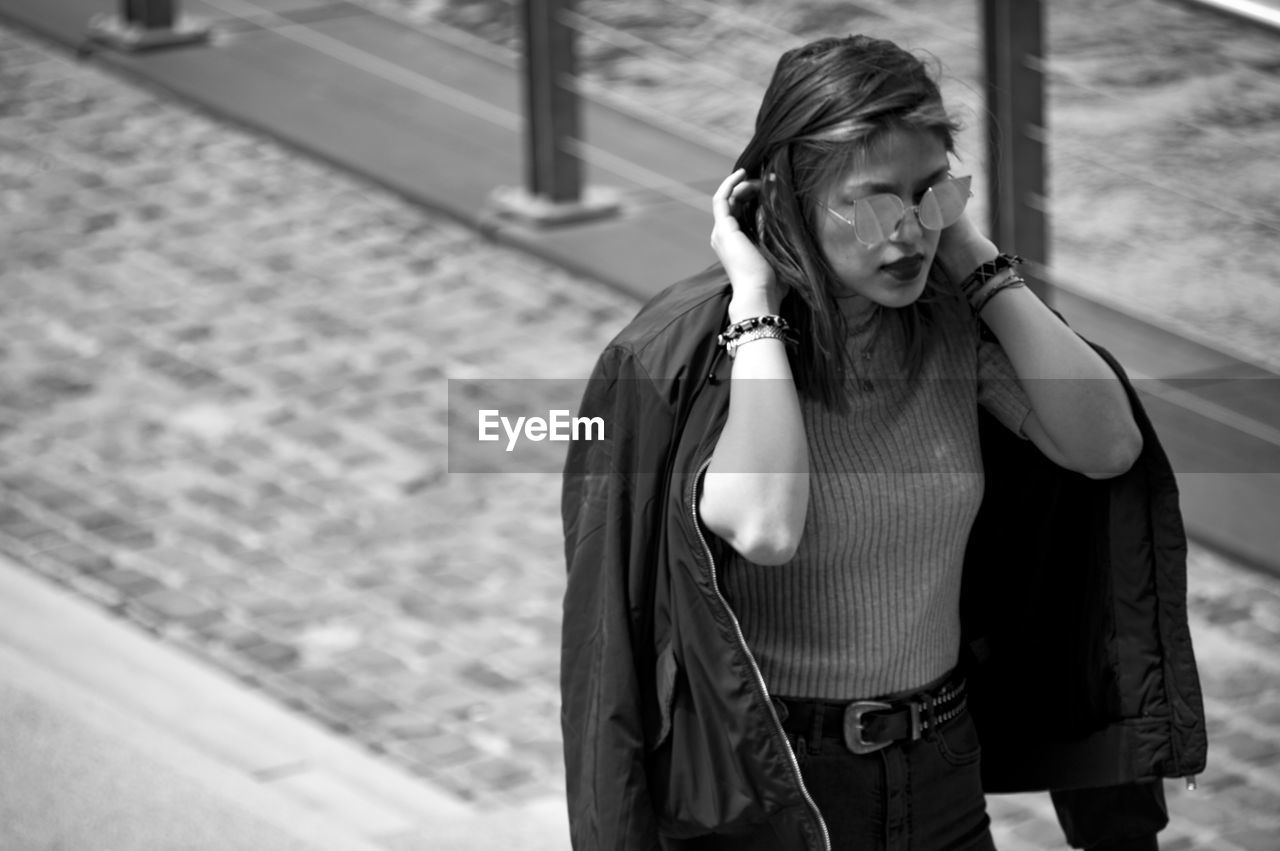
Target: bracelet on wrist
767 332
751 323
983 297
981 276
766 327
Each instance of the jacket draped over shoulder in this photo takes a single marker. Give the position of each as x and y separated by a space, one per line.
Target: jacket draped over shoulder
1073 611
1074 603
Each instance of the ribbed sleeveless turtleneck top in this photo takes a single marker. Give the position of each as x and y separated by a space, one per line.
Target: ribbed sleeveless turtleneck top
870 603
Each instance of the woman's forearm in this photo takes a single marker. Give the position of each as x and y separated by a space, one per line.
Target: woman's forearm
1080 416
1077 400
756 492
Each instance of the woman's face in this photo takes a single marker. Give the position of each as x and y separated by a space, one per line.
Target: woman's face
891 272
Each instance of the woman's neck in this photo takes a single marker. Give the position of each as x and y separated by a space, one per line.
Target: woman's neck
859 312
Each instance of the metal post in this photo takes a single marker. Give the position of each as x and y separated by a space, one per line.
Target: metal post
151 14
551 105
554 192
1013 39
146 25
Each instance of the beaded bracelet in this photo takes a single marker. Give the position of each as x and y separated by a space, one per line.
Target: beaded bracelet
751 323
980 276
763 332
991 292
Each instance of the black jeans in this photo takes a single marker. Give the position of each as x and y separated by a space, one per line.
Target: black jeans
913 796
1113 818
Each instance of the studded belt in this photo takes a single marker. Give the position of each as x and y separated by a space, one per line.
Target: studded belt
866 726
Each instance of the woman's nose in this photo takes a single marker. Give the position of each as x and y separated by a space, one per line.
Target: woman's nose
910 225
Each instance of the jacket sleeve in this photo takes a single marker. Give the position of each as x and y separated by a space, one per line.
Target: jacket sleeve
611 513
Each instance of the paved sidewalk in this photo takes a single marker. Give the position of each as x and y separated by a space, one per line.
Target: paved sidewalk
113 739
222 419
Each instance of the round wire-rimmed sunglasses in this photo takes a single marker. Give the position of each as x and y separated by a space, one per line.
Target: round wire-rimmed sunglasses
876 217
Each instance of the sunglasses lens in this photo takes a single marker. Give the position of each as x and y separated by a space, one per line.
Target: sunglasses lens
944 203
877 217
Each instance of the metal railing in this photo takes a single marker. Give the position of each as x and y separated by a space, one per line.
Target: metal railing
1013 48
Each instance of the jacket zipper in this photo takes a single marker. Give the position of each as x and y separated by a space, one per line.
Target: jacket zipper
755 668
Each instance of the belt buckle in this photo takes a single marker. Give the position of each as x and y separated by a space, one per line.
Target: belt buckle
853 726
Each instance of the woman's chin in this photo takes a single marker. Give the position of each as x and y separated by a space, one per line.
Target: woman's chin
884 291
896 293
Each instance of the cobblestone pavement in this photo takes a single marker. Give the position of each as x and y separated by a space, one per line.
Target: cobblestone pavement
222 415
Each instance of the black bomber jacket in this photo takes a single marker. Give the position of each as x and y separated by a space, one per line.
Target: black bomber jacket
1076 643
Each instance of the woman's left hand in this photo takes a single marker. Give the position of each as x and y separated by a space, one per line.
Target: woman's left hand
963 248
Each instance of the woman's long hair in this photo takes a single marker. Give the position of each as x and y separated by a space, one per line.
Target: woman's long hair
828 104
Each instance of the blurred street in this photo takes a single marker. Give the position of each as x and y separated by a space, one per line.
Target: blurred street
223 407
223 388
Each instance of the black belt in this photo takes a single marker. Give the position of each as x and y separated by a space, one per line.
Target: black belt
866 726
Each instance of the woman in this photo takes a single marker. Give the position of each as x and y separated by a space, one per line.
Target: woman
763 645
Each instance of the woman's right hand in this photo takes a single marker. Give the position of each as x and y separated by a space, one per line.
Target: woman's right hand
756 492
755 286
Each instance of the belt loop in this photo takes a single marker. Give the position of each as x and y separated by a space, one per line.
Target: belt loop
815 723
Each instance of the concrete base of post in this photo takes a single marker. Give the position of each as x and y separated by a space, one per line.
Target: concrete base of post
513 202
118 34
